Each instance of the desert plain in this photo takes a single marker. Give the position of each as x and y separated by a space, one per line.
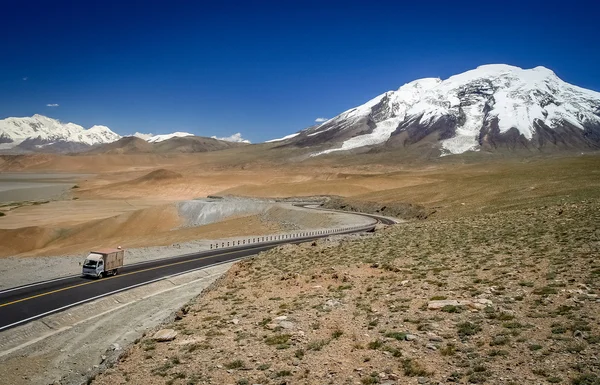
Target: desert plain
492 278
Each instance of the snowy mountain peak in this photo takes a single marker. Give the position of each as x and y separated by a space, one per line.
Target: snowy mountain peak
141 135
479 108
44 130
161 138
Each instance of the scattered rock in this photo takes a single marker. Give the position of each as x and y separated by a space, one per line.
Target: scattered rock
190 341
287 325
164 335
410 337
299 335
332 303
477 303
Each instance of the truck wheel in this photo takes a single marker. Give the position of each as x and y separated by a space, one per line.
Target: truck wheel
116 272
99 275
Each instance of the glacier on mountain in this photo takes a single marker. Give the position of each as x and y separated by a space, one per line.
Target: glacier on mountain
512 97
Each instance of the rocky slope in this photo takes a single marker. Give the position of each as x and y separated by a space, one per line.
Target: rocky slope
482 299
492 107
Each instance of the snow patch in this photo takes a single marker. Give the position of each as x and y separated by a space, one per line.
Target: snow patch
143 136
284 138
233 138
380 134
162 138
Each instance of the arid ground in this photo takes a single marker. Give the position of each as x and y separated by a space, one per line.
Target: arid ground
130 198
511 244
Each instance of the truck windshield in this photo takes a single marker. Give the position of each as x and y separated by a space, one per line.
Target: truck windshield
89 263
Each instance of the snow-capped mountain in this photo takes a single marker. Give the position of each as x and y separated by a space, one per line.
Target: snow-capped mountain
142 135
491 107
42 131
162 138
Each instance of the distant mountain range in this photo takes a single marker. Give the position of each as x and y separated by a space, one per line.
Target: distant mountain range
160 138
175 144
38 132
491 108
42 134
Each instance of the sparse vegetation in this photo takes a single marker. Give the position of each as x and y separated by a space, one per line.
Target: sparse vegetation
236 364
465 329
278 339
527 276
413 368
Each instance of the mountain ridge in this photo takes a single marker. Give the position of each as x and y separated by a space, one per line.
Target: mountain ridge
40 130
43 134
492 107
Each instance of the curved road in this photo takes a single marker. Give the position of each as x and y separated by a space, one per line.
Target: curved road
25 303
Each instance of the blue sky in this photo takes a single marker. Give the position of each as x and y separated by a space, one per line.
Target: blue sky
266 68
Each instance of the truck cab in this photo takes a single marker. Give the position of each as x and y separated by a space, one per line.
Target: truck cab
93 265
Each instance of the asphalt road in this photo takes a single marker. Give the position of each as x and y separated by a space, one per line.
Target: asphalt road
26 303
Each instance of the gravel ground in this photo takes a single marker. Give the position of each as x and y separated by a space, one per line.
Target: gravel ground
505 298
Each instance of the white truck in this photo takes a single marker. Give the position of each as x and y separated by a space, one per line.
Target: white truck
103 262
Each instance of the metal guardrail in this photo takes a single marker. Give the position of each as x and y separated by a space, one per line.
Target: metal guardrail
285 237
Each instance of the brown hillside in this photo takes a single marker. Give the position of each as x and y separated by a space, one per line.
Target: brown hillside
160 174
190 144
126 145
